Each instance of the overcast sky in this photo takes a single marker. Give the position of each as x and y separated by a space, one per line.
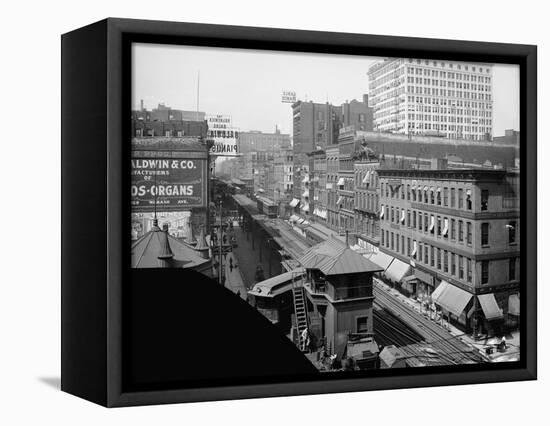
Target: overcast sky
247 84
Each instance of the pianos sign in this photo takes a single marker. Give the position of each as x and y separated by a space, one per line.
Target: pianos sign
169 183
223 135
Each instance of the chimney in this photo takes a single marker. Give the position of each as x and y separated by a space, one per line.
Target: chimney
141 104
202 246
165 249
189 237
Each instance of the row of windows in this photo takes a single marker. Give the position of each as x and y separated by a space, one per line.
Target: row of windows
455 265
450 102
444 119
454 130
366 201
451 84
448 93
167 133
438 226
448 197
367 226
441 226
425 71
366 178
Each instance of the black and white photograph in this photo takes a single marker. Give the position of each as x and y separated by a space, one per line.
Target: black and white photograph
367 207
275 213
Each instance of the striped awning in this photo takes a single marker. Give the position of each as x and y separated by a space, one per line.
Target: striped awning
489 306
294 202
513 304
380 258
451 298
397 270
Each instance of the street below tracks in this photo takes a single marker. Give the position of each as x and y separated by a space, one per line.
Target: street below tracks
454 350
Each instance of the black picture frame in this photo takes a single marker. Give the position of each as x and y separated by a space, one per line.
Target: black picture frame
95 208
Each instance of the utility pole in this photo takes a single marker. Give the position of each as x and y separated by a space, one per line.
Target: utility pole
474 317
220 242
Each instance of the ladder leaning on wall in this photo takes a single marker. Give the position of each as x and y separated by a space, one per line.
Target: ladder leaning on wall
300 311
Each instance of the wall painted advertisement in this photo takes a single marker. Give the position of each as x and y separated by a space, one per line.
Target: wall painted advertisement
169 183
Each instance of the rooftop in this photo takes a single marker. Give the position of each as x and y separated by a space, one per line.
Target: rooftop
162 143
470 174
158 249
276 285
334 257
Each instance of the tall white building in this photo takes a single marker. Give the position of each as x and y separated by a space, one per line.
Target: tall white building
427 97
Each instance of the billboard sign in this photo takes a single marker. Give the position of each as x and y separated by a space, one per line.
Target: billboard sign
223 134
170 183
288 97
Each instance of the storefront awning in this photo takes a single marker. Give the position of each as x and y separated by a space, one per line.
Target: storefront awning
294 202
306 207
358 249
305 193
382 210
340 199
380 258
513 304
424 277
451 298
329 186
341 181
305 179
294 218
489 305
397 270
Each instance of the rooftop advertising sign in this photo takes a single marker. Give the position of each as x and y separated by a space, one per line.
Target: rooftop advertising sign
223 134
288 97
